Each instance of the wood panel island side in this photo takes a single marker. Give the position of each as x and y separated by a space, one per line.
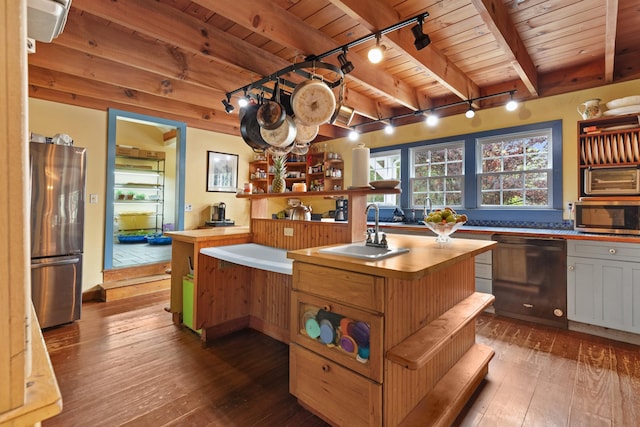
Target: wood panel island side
415 362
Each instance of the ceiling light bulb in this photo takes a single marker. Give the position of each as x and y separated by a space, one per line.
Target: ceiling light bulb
471 113
243 102
353 135
376 53
512 105
432 120
388 129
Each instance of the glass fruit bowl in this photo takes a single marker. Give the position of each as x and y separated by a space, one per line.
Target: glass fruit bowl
444 229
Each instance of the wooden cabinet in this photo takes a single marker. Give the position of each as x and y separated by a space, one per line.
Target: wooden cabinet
261 172
603 284
326 172
607 142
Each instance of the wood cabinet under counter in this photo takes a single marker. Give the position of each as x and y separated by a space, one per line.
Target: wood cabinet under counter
419 308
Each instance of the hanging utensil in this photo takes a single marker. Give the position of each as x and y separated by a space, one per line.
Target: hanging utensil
271 114
343 114
313 102
281 136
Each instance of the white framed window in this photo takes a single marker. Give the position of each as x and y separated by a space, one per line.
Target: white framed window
515 170
384 165
437 172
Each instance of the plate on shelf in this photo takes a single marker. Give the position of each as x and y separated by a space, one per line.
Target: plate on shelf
614 149
629 109
583 155
623 155
628 150
607 150
603 157
587 143
594 150
623 102
636 149
385 183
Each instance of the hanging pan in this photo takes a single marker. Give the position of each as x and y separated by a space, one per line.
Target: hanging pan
271 114
250 129
281 136
343 114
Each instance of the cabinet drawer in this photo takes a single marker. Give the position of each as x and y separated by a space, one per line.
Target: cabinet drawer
484 271
484 258
342 397
356 289
604 250
484 285
321 325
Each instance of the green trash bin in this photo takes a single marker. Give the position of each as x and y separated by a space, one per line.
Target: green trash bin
187 302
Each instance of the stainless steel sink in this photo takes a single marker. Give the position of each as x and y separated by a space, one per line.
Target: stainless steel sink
359 250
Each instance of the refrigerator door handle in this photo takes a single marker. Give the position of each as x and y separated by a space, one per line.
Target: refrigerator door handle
35 263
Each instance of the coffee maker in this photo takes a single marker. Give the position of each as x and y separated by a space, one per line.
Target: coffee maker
218 211
341 210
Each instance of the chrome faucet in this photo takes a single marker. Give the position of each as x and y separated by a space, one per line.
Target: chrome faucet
377 242
427 202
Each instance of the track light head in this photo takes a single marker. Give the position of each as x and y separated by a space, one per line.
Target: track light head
432 119
471 113
345 65
421 40
376 53
389 128
512 105
227 105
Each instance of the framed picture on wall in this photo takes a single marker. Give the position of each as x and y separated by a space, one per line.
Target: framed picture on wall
222 172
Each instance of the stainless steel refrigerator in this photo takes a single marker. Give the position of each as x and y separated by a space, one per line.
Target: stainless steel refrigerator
58 174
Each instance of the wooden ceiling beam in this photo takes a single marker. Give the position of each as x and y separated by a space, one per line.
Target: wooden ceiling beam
496 18
288 30
377 14
611 28
69 61
101 104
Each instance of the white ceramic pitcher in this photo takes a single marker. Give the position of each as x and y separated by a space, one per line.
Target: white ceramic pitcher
591 109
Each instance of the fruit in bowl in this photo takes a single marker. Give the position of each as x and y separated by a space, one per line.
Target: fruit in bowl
444 223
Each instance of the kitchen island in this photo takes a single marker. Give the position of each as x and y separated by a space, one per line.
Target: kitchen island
404 328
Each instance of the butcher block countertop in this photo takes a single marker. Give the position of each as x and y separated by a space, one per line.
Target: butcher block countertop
191 236
424 257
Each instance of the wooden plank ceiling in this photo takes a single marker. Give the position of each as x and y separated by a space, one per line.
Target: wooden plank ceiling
178 58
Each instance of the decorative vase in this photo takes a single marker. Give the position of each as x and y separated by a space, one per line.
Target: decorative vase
591 109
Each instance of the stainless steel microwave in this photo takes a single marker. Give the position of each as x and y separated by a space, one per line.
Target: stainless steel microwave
617 181
608 216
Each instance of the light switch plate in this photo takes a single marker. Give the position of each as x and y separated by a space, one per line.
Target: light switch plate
93 198
188 208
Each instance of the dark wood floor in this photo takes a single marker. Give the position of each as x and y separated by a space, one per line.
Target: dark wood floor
126 364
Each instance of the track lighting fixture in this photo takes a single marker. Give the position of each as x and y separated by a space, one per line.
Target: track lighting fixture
471 113
389 128
421 40
243 101
345 65
512 105
227 105
376 53
432 119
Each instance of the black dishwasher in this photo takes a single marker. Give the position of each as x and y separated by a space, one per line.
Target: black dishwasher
530 279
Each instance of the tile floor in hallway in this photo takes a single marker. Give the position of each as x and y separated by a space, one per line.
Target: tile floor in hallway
130 254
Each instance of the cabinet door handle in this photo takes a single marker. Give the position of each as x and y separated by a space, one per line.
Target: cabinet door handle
326 307
612 251
571 268
528 305
326 368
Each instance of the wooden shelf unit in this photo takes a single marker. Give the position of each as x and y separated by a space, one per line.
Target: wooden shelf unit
321 171
607 142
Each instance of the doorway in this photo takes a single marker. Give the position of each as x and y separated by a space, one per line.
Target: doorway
145 188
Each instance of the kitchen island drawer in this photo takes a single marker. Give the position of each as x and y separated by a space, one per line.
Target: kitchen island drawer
342 396
604 250
360 290
341 333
